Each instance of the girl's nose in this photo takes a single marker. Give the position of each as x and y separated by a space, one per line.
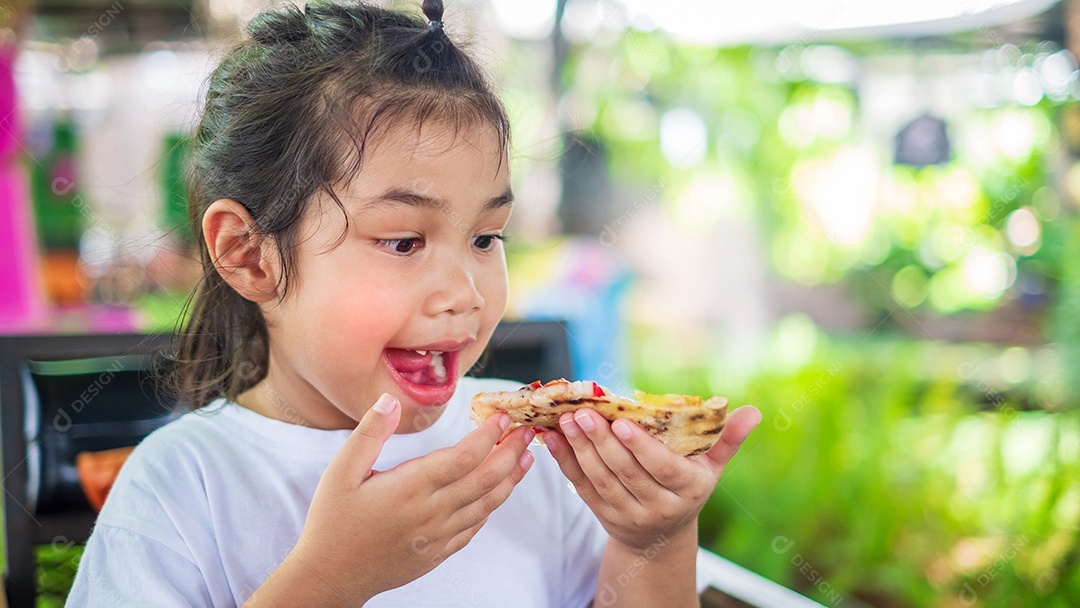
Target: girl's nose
454 292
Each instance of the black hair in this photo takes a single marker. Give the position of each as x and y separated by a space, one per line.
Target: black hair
307 88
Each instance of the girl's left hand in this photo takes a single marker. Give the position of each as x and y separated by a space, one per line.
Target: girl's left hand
638 488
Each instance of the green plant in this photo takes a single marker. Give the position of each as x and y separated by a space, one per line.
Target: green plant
897 473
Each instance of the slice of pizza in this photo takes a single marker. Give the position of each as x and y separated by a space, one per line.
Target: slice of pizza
688 425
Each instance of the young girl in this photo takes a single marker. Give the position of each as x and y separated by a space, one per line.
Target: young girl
351 187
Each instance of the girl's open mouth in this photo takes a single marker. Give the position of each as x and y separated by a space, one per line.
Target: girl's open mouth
428 377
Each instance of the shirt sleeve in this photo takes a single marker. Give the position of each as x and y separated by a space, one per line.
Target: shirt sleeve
145 546
122 569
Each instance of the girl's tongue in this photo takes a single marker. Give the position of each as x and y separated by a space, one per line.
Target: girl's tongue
427 369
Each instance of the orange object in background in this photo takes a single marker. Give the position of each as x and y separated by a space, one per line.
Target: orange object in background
97 472
63 277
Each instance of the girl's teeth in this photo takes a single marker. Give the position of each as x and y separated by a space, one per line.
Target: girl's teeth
422 352
437 366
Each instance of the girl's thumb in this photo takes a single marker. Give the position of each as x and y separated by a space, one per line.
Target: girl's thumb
366 441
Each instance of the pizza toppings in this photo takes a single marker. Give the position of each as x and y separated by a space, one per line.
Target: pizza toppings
597 390
688 425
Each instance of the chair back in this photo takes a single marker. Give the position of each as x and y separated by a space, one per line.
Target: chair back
527 351
85 405
61 395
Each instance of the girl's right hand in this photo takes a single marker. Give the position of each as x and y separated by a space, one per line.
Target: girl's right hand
367 533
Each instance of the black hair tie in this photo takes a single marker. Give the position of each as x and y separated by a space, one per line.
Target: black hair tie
434 25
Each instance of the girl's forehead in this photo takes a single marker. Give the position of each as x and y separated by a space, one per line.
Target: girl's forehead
434 137
432 159
475 150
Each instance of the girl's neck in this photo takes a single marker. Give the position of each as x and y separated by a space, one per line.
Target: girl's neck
266 400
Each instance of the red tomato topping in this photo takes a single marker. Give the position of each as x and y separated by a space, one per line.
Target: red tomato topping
535 384
596 390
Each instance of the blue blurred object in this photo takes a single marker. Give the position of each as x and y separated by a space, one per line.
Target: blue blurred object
585 288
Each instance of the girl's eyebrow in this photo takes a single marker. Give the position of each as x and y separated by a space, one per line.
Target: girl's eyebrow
411 198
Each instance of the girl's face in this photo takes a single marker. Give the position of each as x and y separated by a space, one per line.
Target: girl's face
404 299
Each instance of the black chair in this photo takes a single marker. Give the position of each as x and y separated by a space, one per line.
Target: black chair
60 395
527 351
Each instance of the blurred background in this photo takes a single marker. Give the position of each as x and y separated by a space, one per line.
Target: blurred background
862 217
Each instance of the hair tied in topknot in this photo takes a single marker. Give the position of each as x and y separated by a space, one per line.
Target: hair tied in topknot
433 10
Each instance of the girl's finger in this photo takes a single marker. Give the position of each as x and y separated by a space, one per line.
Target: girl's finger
670 470
458 542
364 444
607 484
483 506
496 468
564 455
739 424
618 458
451 464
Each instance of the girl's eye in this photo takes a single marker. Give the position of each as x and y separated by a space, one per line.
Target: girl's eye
402 246
486 242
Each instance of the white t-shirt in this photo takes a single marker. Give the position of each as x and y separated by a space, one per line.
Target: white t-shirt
209 505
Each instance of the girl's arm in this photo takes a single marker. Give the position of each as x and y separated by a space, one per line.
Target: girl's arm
295 583
663 574
647 498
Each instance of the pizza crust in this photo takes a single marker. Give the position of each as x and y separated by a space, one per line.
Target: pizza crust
688 425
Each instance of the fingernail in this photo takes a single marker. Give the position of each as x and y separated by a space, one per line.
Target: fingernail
504 422
549 441
385 404
529 434
622 429
584 420
526 460
570 428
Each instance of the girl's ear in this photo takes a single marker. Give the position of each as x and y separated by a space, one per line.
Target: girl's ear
243 257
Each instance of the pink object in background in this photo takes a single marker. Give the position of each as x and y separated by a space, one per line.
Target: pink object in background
22 298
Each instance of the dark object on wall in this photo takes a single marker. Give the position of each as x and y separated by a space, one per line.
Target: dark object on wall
923 142
120 26
586 186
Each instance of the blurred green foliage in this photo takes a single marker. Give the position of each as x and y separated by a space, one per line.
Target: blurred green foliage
888 471
57 564
970 235
895 473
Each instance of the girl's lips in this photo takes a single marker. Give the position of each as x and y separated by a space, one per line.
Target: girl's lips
415 375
